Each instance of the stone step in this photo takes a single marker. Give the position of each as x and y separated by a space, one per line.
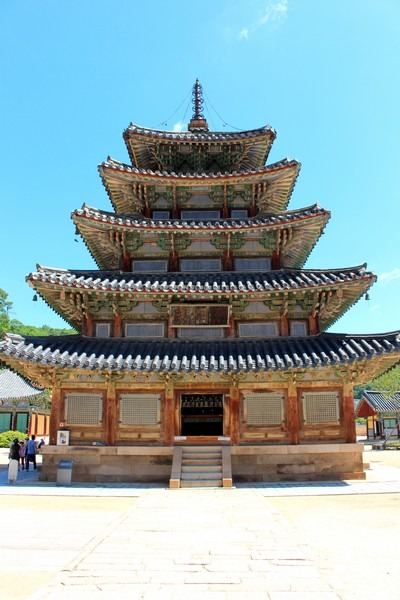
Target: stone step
200 475
202 468
196 461
201 448
203 456
200 484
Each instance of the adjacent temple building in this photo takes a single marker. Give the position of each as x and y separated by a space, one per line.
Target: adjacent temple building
202 356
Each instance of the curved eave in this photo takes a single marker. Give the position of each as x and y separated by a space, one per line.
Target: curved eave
141 142
118 180
336 291
98 228
377 353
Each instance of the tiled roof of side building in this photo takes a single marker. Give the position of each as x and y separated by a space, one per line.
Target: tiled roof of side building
229 355
13 387
221 282
137 221
381 402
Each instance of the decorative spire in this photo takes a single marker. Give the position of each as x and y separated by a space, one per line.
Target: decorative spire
197 122
197 99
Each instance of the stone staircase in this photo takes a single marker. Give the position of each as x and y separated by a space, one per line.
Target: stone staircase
201 466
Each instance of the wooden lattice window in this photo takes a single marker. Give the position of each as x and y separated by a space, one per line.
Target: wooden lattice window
321 407
202 332
160 215
83 409
264 329
149 266
264 409
298 328
252 264
146 330
103 329
139 409
200 264
239 213
200 214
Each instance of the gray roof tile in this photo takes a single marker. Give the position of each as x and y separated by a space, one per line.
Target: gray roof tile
13 387
227 281
157 355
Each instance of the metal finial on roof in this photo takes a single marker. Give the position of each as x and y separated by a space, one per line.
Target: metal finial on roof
197 98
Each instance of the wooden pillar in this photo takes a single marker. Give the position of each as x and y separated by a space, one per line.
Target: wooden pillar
173 262
117 326
252 209
126 262
88 325
55 415
284 325
313 325
169 415
234 414
227 261
293 413
110 412
231 328
349 424
275 260
177 416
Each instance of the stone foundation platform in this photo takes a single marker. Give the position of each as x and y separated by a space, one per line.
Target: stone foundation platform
152 464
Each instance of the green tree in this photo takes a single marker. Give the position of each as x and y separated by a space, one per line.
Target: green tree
359 390
15 326
388 382
5 307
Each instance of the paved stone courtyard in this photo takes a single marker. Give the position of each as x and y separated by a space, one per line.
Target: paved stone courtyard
281 542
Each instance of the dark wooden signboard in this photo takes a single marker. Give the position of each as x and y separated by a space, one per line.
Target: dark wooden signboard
199 315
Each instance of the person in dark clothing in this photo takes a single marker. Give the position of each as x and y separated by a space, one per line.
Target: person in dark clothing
14 450
14 461
31 452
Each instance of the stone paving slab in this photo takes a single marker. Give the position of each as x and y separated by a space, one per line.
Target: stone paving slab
208 543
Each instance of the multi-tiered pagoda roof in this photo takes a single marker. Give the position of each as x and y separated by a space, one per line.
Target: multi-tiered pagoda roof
201 221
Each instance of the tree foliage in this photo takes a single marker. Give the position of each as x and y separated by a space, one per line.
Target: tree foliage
388 382
15 326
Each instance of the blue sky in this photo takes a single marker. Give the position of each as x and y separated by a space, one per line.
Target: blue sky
324 74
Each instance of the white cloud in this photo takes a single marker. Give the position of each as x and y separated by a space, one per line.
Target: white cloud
272 12
389 276
179 126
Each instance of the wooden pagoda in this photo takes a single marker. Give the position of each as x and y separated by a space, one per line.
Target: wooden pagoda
201 327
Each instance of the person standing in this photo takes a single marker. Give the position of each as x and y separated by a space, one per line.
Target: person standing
22 453
31 452
14 460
